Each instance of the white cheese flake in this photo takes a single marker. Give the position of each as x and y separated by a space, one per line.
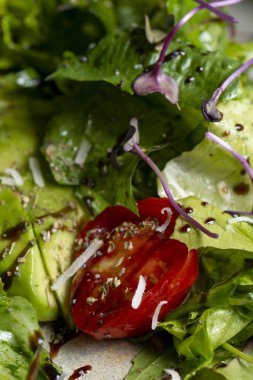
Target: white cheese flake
15 175
137 298
174 374
82 152
163 227
77 263
156 314
34 166
239 219
7 181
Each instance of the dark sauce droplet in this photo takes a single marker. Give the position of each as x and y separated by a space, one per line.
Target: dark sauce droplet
226 133
243 172
120 84
239 127
66 336
14 233
80 371
220 365
204 203
13 271
171 56
189 210
185 228
241 189
200 69
60 213
181 52
35 365
210 221
189 80
191 46
35 340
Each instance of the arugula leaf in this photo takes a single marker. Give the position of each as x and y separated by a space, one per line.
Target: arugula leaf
180 8
149 365
99 124
236 369
19 334
120 58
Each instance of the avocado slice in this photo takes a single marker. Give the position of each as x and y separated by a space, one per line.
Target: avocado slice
56 215
21 266
38 226
23 118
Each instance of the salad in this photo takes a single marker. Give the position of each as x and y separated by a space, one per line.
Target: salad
126 196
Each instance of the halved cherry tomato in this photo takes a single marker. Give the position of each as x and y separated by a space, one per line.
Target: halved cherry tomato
103 291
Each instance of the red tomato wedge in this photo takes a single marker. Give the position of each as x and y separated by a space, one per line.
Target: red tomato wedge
103 291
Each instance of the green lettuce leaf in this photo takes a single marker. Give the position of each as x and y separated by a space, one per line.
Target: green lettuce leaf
99 123
149 364
19 334
120 58
218 176
204 29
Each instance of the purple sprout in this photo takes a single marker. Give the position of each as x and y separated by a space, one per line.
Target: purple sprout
155 80
132 145
229 148
209 107
212 8
243 213
241 159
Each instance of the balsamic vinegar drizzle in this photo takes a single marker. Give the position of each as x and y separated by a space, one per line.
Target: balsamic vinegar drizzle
80 371
65 336
60 213
35 365
13 271
14 233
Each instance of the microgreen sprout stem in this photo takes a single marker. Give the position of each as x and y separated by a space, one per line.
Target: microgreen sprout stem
229 148
222 15
209 109
133 146
244 213
236 352
184 20
155 80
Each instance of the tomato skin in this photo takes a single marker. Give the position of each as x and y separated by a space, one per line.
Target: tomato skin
102 293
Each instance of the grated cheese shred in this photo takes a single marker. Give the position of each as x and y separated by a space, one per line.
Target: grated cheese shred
34 166
156 314
137 298
77 263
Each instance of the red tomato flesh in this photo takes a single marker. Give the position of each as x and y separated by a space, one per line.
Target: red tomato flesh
103 291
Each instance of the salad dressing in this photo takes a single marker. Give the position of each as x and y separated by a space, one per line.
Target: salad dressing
14 233
13 271
80 371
